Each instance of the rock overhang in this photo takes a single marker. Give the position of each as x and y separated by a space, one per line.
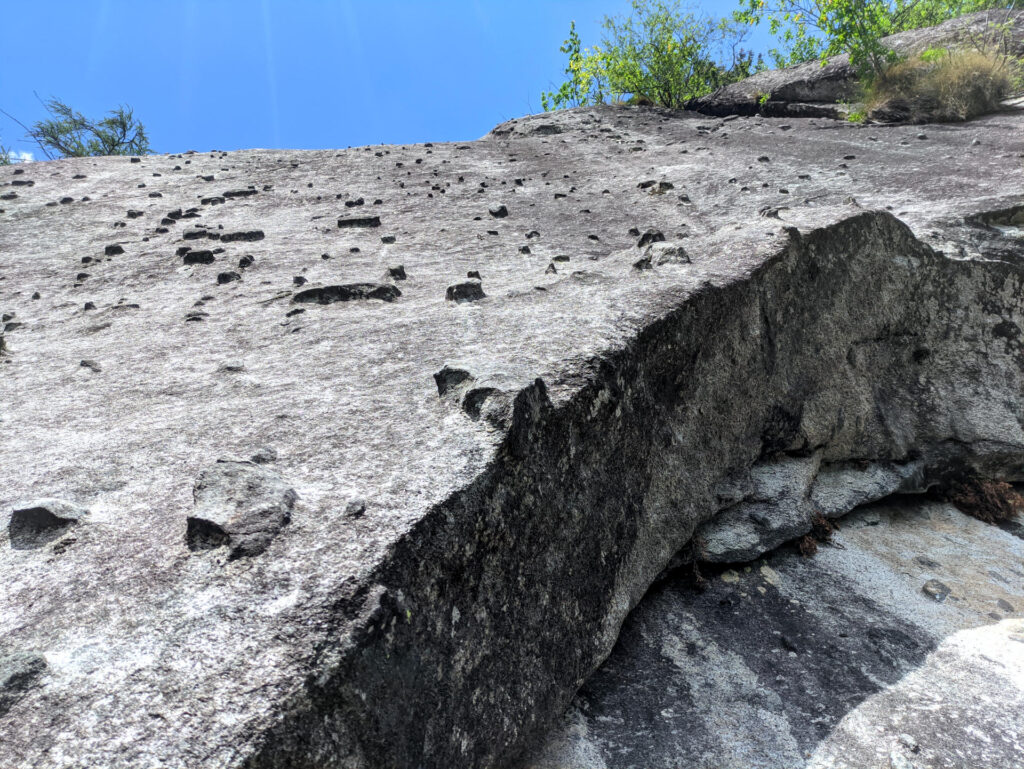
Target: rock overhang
887 647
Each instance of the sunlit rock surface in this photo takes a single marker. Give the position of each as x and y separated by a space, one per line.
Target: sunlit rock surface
488 404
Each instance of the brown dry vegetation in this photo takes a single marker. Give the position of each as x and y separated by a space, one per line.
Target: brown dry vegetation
697 555
943 86
821 532
988 501
822 528
807 545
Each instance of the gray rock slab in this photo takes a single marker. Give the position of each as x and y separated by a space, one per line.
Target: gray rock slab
839 661
814 89
503 531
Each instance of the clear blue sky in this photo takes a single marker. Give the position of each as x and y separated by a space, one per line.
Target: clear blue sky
230 74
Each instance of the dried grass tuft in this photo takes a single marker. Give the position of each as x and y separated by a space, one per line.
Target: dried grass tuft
942 85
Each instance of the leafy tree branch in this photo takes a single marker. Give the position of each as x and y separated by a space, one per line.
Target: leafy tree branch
69 133
658 54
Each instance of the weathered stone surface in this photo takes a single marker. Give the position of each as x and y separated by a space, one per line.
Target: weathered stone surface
19 673
501 539
240 505
35 523
347 293
840 661
667 253
264 455
812 90
777 499
470 291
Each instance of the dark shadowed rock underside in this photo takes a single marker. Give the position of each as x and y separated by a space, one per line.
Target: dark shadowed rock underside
442 559
845 660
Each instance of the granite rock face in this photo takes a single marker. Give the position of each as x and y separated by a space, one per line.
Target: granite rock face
840 661
812 89
482 489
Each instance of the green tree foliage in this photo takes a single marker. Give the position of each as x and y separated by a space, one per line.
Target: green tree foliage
586 83
818 29
68 133
659 54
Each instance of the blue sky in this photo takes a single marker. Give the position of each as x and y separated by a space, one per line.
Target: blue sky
231 74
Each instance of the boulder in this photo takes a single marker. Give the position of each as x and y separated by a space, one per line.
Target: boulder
240 505
41 520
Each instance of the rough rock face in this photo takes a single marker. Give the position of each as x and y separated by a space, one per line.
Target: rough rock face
813 90
846 660
35 523
240 505
483 488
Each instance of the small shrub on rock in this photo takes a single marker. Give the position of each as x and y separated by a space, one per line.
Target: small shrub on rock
821 532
